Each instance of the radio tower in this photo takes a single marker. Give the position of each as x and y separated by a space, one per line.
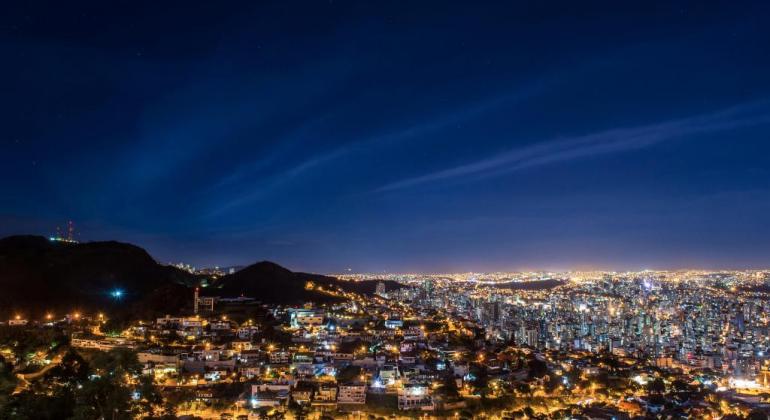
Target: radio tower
70 231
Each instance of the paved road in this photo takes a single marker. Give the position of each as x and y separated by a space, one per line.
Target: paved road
26 378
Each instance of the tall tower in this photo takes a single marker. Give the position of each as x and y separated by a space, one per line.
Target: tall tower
195 302
70 231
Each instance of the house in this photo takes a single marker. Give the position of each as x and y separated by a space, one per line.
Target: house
306 318
415 396
268 398
145 357
408 358
352 393
279 357
325 394
250 371
168 322
220 325
246 333
302 395
103 344
394 324
250 355
389 374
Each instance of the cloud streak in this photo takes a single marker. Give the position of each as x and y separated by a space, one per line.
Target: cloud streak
611 141
255 185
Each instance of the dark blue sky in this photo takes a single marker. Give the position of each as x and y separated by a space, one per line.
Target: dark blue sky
400 136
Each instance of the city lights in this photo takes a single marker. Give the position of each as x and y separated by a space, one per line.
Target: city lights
430 210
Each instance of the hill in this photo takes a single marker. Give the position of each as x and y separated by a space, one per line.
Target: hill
532 285
269 282
38 275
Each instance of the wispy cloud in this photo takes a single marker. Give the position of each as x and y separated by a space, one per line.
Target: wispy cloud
601 143
274 181
257 185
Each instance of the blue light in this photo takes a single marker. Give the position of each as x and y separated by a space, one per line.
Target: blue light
117 293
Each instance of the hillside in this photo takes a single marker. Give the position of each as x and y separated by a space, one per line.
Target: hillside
38 275
269 282
532 285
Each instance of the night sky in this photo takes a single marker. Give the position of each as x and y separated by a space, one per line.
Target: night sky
398 136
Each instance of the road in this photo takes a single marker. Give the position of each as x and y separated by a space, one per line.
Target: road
26 378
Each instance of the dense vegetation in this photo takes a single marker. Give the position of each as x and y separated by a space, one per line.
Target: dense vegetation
108 386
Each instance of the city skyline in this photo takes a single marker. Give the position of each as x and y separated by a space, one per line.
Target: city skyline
347 210
391 137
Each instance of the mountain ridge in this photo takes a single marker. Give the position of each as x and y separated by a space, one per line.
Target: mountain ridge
39 275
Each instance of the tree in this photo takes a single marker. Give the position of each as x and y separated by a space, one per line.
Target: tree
116 362
348 374
481 381
529 412
150 399
103 398
573 375
32 405
681 386
169 409
299 410
611 362
656 386
71 369
537 369
116 324
7 382
449 388
757 414
524 388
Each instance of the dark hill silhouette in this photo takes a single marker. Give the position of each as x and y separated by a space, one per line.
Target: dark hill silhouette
38 275
532 285
269 282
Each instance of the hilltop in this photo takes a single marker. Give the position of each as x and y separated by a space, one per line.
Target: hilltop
38 275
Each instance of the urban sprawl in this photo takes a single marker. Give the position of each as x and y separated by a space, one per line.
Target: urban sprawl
589 345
